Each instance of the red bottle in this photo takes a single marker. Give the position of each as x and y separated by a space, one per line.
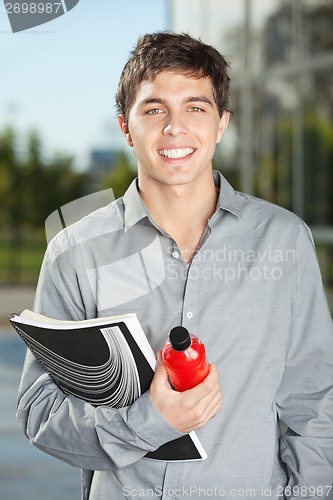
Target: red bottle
185 360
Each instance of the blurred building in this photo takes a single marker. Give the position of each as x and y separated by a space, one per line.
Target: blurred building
102 162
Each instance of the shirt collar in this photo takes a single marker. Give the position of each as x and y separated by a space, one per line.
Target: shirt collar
228 199
135 209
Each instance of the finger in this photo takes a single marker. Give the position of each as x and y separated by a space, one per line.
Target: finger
215 405
160 376
160 373
209 411
209 385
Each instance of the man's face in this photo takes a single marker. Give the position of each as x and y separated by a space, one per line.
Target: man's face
174 127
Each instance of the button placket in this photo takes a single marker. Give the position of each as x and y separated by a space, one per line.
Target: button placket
190 304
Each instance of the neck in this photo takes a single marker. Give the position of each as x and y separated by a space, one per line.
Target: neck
182 210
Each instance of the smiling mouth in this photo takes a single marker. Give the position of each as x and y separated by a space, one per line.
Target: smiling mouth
176 153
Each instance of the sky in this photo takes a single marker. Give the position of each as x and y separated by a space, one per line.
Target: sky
60 78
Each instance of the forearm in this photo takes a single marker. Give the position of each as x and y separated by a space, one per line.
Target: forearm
74 431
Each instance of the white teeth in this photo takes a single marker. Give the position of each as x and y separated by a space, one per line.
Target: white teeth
176 153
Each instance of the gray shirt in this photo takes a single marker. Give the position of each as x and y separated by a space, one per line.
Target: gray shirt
254 296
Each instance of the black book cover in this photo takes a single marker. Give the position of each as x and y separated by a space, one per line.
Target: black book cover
106 361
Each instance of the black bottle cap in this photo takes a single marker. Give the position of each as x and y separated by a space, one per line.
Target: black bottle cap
180 338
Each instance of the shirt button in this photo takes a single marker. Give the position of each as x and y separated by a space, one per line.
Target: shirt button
189 314
175 255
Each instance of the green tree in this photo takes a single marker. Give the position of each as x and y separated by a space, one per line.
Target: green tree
67 184
35 190
11 203
31 187
318 169
10 179
121 176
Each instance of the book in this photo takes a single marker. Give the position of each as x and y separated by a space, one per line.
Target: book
105 361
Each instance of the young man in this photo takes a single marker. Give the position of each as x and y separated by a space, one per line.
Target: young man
183 248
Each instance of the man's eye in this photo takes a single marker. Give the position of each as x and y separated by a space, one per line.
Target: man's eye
195 109
154 111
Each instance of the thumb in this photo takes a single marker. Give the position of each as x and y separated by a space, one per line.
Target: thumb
161 374
160 388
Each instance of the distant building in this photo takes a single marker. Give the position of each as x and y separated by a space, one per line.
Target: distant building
102 162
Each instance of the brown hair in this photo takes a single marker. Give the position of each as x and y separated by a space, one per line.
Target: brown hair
164 51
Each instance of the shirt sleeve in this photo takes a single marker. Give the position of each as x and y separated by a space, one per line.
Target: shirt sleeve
67 427
305 396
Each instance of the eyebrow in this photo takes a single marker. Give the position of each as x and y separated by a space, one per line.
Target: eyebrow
156 100
199 99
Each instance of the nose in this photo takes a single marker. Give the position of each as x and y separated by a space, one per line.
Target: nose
175 125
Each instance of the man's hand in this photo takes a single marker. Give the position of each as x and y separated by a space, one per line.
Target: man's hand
188 410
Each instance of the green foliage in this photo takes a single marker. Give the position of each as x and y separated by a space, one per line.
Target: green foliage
318 166
20 260
274 173
31 187
121 176
10 180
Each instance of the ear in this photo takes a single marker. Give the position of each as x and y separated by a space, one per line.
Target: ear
125 129
223 125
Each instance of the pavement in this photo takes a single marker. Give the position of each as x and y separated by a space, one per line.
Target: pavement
26 473
15 299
